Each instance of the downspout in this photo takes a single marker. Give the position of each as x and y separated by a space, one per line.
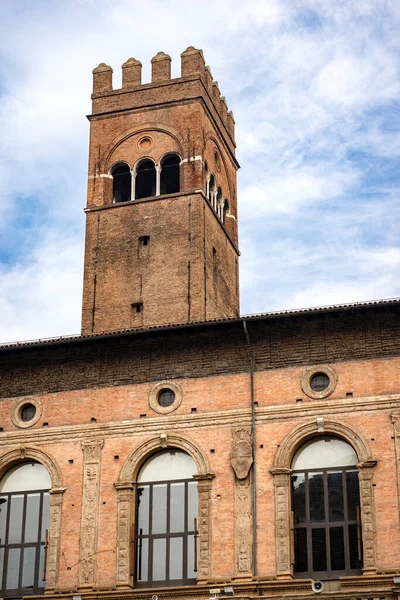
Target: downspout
253 445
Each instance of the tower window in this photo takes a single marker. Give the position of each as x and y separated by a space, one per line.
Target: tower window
225 210
145 185
122 182
169 183
137 307
144 240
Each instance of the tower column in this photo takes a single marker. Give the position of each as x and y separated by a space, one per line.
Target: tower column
158 179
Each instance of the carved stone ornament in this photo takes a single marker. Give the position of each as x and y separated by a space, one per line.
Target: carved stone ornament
242 455
90 510
243 526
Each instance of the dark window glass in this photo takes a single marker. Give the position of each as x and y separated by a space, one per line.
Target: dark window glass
300 549
145 184
316 495
355 546
28 411
319 382
166 397
299 498
122 183
169 181
319 549
335 496
337 548
353 494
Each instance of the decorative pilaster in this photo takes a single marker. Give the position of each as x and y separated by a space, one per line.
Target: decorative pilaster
396 428
53 551
90 512
283 549
125 496
367 515
204 547
241 461
243 527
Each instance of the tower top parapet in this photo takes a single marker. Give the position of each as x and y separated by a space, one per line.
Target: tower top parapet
135 94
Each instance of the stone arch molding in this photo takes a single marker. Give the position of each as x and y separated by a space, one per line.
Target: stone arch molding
281 472
24 453
143 128
137 457
125 487
301 434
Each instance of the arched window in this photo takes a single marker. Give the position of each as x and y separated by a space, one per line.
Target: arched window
145 184
24 524
326 510
218 203
206 178
166 520
211 190
225 210
170 174
122 182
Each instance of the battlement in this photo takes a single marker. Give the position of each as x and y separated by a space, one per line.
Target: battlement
193 67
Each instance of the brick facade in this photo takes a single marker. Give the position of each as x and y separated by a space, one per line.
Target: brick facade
238 380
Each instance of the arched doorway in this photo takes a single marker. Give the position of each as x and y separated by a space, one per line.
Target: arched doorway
24 525
166 520
326 509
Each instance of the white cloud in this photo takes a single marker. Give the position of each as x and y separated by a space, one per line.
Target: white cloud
312 83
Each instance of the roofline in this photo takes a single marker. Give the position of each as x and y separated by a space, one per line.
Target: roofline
197 324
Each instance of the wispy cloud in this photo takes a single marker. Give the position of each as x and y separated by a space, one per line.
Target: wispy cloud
314 88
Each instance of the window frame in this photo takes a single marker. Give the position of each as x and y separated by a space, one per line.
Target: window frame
185 534
327 525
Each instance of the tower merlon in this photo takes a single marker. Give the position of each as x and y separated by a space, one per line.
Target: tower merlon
131 73
102 79
160 67
231 124
192 61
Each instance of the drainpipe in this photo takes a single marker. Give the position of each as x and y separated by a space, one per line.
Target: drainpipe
253 445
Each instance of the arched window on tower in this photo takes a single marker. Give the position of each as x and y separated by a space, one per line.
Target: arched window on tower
206 179
122 182
326 510
24 525
166 521
225 210
211 190
145 184
169 183
219 203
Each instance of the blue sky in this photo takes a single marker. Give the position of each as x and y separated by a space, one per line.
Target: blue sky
314 86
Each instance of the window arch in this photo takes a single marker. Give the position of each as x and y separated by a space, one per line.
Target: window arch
218 203
166 520
145 183
24 524
169 179
122 182
326 509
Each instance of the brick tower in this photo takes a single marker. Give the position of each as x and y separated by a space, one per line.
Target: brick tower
161 228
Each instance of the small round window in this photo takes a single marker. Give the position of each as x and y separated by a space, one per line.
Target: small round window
166 397
28 412
319 382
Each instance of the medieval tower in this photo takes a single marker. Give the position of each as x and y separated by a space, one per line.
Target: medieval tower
161 232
